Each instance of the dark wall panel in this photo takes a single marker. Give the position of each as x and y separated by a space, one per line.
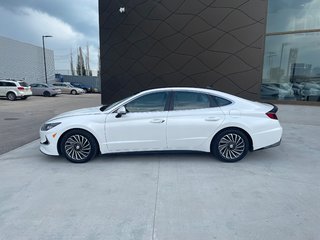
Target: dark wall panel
200 43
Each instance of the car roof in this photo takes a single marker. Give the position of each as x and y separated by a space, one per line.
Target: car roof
192 89
209 91
12 80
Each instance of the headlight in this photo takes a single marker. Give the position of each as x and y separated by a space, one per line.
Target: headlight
48 126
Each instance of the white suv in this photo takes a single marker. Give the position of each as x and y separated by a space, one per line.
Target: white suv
13 89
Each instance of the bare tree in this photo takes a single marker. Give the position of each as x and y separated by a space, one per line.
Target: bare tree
88 70
71 64
81 71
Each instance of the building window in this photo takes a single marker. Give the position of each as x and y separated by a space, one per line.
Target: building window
291 60
289 15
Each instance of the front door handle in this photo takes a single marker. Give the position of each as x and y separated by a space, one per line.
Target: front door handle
157 121
212 119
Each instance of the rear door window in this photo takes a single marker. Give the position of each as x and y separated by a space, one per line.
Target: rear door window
190 100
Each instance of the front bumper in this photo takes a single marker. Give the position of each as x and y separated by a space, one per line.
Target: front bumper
49 143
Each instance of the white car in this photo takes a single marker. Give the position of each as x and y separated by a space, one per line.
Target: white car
67 88
165 119
13 89
44 89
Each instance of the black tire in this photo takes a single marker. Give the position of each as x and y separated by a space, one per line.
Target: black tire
78 146
73 92
46 94
24 98
230 145
11 96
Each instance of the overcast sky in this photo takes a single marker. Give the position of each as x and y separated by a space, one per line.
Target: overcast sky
71 23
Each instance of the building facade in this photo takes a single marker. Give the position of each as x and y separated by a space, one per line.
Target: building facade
25 61
257 49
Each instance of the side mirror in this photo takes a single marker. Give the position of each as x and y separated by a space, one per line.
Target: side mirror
121 111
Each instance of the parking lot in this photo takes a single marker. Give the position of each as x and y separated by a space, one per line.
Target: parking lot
20 120
271 194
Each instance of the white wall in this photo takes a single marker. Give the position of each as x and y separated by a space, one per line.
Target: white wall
20 60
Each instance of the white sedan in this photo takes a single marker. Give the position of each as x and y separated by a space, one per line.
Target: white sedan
165 119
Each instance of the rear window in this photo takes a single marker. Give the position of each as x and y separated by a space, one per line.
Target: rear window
23 84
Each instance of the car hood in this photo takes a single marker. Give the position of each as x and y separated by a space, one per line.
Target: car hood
79 112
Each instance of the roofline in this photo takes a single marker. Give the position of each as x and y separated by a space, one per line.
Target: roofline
26 43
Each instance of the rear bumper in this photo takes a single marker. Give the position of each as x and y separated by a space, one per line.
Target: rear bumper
271 146
24 94
268 138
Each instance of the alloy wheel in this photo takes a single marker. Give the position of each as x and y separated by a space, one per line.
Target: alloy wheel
11 96
231 146
77 147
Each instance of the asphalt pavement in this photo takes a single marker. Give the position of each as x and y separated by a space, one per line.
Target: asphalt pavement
271 194
20 120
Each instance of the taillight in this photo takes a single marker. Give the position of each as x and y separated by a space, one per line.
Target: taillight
20 88
271 115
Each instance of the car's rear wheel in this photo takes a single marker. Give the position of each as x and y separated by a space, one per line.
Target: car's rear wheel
73 92
78 146
230 145
11 96
46 94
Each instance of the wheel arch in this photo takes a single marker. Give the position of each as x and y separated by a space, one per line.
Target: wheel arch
11 91
233 128
72 129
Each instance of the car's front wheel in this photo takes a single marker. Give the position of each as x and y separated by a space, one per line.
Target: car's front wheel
78 146
73 92
230 145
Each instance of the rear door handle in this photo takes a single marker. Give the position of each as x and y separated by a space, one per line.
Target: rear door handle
212 119
157 121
